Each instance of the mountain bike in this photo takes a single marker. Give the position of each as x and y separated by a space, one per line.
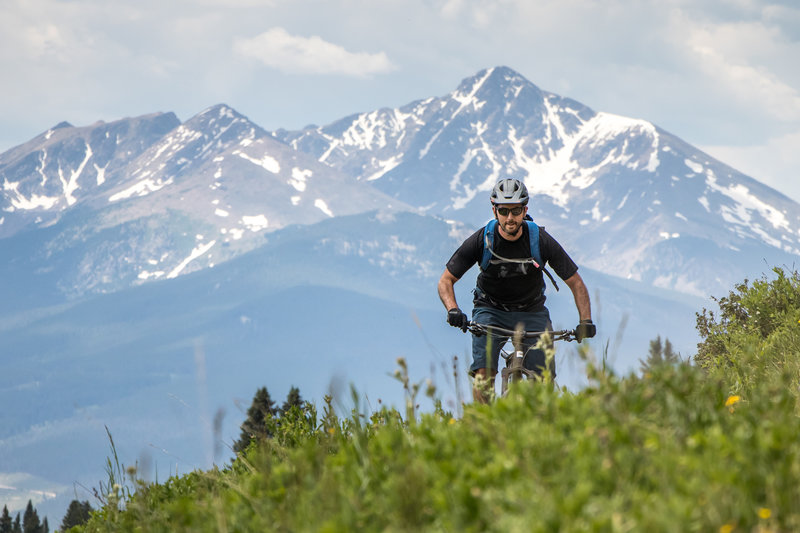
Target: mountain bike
514 370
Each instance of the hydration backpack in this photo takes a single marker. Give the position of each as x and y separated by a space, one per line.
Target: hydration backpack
536 256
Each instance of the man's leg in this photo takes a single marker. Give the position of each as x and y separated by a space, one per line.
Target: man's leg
485 355
536 359
483 386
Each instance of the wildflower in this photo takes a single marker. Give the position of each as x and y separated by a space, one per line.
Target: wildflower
731 400
726 528
764 513
452 421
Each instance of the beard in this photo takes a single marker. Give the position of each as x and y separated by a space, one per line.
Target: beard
511 228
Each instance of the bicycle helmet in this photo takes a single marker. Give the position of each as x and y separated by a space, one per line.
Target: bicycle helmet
510 191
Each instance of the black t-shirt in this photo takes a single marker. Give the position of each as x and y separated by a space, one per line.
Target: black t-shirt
507 285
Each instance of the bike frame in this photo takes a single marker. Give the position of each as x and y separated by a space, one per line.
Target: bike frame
514 370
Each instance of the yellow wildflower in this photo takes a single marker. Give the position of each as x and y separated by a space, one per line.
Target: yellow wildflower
452 421
726 528
764 513
731 400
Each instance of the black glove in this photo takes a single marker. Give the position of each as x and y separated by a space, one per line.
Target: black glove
457 318
585 330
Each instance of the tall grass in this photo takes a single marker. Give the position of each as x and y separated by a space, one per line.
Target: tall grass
708 447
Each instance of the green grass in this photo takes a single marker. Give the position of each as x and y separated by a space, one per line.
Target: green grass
707 447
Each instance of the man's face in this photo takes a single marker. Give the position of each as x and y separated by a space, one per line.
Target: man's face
510 216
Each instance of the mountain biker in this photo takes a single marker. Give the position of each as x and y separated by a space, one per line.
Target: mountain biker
510 286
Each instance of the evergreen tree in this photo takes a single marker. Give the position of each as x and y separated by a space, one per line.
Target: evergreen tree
16 528
30 521
45 526
659 354
5 521
78 513
255 426
293 399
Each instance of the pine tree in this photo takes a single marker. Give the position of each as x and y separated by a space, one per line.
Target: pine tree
78 513
16 528
30 521
293 399
5 521
659 354
255 425
45 526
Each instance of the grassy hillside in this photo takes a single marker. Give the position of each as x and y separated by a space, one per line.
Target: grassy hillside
712 446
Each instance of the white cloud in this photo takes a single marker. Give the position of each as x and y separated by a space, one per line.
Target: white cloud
737 55
278 49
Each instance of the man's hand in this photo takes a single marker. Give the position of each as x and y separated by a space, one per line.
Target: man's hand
457 318
585 330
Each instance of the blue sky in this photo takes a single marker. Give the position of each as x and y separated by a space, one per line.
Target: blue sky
720 74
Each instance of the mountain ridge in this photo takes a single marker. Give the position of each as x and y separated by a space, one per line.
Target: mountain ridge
577 164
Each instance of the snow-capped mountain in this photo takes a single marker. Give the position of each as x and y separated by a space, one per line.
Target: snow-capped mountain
625 196
54 171
187 198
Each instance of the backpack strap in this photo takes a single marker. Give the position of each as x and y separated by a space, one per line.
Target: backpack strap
533 235
488 243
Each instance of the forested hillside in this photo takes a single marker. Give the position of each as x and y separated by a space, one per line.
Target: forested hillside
711 444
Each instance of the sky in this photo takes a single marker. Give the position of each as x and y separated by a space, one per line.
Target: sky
723 75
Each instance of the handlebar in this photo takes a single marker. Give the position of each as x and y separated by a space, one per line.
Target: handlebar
482 329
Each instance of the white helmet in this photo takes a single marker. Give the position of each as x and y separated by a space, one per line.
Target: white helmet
510 191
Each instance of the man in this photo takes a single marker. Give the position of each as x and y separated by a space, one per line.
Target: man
510 286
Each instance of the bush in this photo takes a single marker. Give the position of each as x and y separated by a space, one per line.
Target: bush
756 333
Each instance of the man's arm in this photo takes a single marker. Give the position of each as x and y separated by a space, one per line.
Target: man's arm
581 295
447 293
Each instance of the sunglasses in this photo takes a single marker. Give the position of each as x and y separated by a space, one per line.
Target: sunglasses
504 211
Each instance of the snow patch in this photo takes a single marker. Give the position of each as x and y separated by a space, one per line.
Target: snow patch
144 275
255 222
34 202
385 166
101 173
299 177
744 204
624 199
320 204
198 251
697 168
142 188
267 162
71 185
597 216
